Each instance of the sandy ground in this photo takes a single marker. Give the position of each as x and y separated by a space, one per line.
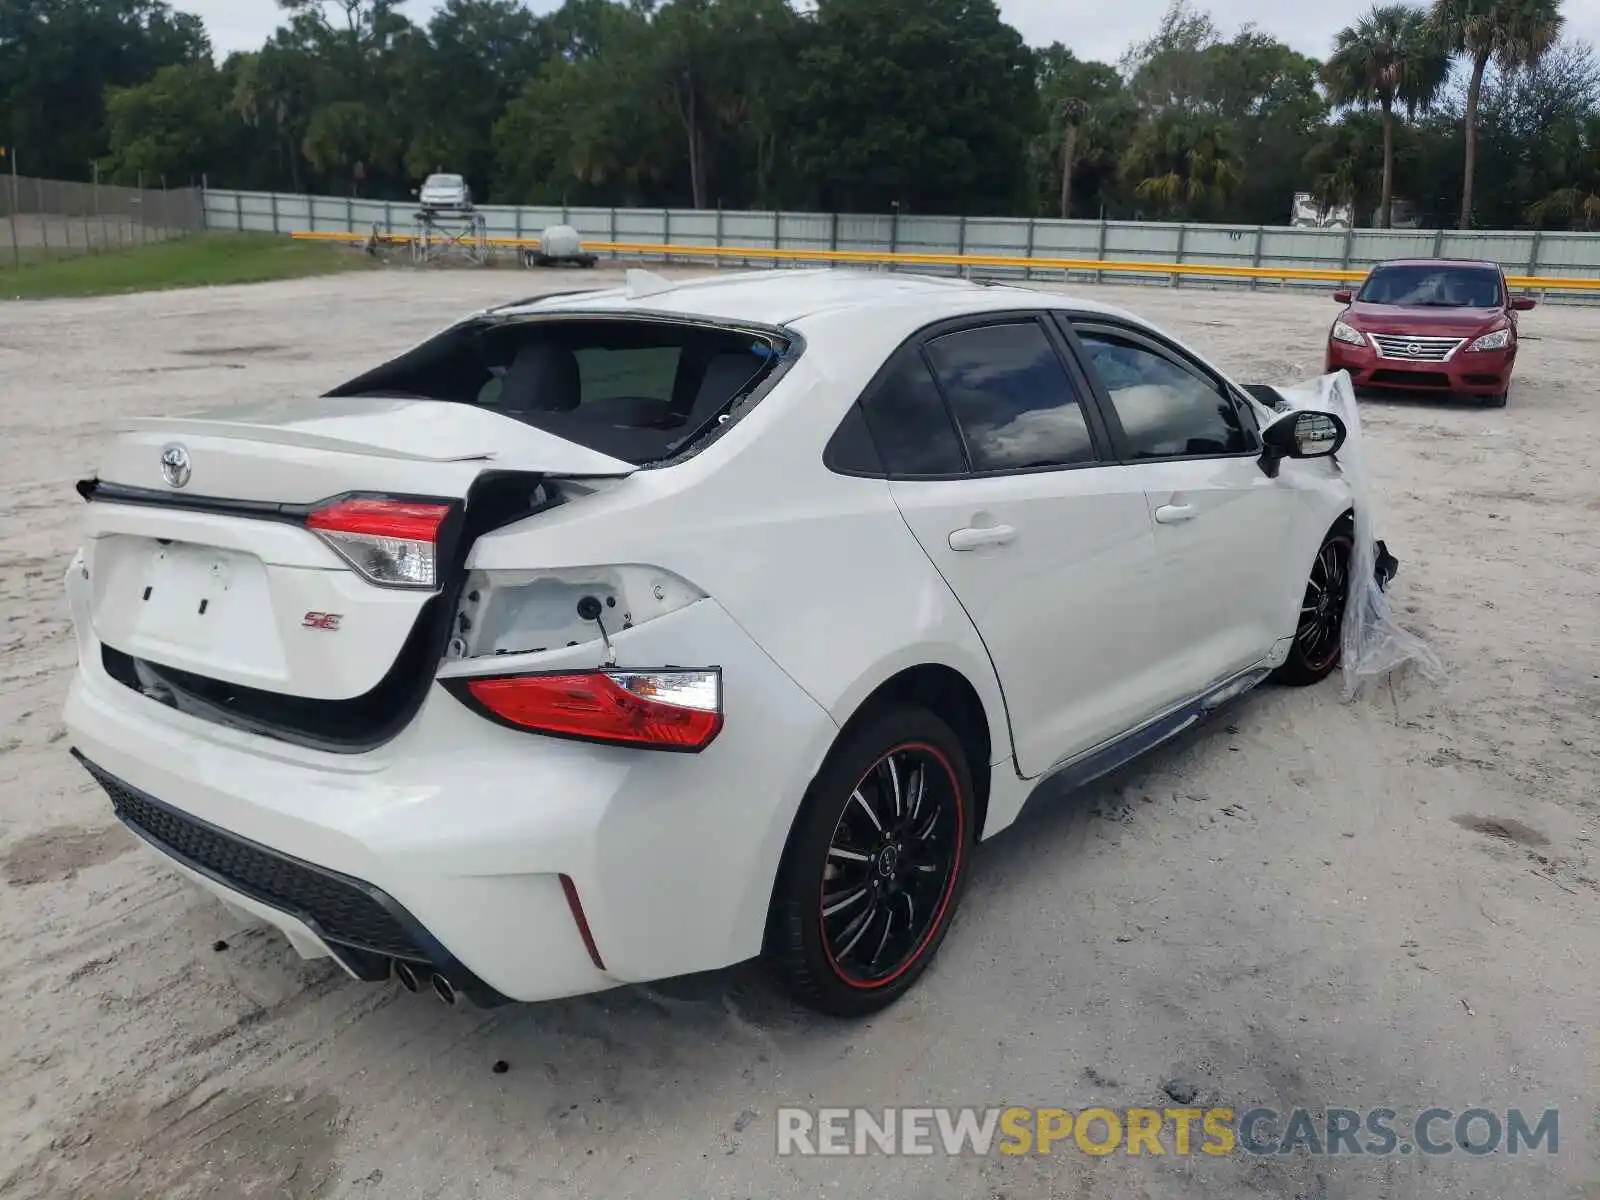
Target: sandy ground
1390 903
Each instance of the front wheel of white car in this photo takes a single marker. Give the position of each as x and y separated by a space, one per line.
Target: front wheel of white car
1320 626
875 866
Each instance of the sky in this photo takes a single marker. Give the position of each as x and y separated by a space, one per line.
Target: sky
1102 32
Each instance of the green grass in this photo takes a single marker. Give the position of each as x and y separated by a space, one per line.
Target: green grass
198 260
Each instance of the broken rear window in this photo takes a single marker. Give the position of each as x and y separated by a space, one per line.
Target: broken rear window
636 389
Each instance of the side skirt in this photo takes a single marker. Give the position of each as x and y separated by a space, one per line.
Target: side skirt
1124 748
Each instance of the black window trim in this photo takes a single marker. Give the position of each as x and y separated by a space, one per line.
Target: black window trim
1070 321
916 343
921 351
911 347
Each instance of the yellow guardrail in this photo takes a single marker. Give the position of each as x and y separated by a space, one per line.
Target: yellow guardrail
911 258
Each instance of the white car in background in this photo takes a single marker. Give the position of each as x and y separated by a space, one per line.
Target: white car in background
616 636
445 193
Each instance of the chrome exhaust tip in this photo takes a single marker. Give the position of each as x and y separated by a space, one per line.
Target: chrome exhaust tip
444 989
407 976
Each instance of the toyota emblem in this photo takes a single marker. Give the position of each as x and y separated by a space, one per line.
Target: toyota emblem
175 465
1414 349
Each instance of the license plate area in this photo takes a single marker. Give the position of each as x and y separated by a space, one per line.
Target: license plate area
190 606
182 580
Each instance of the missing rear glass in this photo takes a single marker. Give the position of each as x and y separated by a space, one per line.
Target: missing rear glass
641 390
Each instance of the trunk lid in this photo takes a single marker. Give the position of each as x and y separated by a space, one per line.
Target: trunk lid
301 451
200 559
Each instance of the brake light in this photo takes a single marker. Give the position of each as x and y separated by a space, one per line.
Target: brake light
655 710
391 542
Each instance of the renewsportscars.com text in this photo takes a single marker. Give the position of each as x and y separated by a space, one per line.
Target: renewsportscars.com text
1378 1132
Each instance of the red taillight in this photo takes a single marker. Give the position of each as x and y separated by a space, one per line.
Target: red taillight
658 710
392 542
382 518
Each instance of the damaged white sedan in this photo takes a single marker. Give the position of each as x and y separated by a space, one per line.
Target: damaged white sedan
616 636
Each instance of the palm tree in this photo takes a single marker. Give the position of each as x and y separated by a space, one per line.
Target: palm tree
1070 113
1389 57
1515 33
1345 159
1081 99
1183 163
1577 203
273 94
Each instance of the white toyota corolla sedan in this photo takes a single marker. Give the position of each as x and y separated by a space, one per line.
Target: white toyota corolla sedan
613 636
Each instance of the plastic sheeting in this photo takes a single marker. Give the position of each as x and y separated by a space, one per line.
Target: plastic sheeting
1374 644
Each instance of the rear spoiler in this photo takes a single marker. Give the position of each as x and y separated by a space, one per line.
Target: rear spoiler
543 296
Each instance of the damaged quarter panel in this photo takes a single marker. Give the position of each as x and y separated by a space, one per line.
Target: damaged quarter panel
693 520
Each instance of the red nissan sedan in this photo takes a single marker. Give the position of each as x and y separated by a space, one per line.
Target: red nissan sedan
1429 325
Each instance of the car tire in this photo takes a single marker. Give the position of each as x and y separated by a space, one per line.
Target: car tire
875 866
1498 400
1315 651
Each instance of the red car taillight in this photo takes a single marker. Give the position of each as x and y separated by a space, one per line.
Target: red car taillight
655 710
391 542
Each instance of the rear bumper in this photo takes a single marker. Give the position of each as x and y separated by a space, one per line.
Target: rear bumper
1472 373
319 910
460 831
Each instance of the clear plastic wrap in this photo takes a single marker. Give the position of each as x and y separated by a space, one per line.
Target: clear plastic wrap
1374 644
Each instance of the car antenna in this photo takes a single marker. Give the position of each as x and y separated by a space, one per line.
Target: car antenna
589 609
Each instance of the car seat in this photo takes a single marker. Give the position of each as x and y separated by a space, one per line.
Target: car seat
725 377
541 378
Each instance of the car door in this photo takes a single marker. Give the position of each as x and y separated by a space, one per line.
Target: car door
1222 526
1002 473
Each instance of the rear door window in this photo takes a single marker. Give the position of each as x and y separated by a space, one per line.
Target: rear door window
1016 404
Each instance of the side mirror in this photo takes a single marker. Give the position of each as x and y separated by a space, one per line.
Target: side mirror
1342 296
1303 434
1522 303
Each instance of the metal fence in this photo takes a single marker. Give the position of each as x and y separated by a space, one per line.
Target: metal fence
1549 256
48 217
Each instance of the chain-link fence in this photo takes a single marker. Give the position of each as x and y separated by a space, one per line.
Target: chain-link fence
42 218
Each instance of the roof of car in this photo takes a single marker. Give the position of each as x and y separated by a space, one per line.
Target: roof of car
1437 262
782 297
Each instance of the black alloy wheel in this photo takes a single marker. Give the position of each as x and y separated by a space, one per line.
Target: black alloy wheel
891 865
875 865
1320 628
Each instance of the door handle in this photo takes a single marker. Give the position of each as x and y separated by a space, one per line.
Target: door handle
978 536
1172 514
